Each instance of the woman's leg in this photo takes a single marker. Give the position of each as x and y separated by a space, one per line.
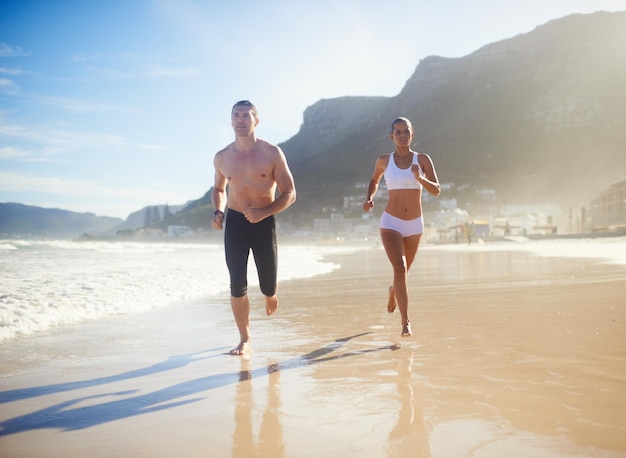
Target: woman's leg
411 244
394 246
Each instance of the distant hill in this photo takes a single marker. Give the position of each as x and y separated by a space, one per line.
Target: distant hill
196 214
137 219
25 220
537 117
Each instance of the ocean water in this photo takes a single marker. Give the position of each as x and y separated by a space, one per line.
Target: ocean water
49 283
44 284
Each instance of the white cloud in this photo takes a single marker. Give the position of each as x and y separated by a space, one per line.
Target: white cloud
81 106
80 57
87 191
8 152
173 72
11 130
133 66
12 71
7 86
141 72
11 51
55 140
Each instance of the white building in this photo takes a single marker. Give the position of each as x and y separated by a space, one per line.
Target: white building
179 231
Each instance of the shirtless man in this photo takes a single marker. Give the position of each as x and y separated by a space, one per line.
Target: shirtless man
253 169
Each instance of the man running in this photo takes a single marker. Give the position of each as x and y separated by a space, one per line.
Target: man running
254 170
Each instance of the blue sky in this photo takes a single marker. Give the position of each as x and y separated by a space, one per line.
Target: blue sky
109 106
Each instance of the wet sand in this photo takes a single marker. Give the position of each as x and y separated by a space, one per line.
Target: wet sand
512 355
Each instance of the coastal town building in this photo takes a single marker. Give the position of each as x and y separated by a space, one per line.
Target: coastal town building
608 209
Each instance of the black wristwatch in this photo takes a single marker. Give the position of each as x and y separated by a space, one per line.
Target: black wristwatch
218 212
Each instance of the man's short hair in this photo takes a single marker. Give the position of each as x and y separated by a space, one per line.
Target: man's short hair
246 103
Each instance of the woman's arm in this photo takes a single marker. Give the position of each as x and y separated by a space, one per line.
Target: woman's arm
429 179
372 188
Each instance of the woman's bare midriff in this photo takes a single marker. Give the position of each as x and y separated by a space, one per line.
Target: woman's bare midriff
405 204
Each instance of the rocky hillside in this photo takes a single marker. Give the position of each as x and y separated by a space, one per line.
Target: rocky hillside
538 117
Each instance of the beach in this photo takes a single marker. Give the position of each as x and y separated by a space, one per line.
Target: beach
513 354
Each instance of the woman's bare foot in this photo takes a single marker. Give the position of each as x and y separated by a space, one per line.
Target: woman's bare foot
391 304
243 347
271 304
406 329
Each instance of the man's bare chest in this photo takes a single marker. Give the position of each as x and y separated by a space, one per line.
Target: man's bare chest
248 171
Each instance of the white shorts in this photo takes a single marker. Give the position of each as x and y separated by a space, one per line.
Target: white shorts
406 228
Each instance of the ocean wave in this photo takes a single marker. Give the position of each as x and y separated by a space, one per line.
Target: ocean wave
51 283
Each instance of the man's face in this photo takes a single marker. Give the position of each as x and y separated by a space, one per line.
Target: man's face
243 120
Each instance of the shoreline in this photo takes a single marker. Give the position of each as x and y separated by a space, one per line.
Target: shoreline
512 355
216 238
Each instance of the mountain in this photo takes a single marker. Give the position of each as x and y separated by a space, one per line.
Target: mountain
25 220
137 219
196 214
537 117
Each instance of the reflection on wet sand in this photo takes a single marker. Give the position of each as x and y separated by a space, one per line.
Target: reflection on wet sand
409 437
270 442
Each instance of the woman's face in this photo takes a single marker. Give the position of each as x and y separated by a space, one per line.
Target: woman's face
402 134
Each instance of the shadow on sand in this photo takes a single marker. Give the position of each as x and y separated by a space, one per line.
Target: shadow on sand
67 416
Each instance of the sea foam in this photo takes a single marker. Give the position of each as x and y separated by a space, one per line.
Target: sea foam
49 283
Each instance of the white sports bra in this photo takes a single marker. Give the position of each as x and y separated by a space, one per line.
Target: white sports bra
397 178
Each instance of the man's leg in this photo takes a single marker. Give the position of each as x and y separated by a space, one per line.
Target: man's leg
236 250
241 312
265 250
271 304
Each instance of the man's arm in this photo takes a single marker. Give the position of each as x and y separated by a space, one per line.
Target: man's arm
218 196
285 184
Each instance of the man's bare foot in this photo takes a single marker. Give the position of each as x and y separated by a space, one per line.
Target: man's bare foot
406 329
271 304
243 347
391 304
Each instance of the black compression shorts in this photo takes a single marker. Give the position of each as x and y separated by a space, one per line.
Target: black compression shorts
241 236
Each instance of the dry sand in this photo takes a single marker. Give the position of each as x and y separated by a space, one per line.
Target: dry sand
512 355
